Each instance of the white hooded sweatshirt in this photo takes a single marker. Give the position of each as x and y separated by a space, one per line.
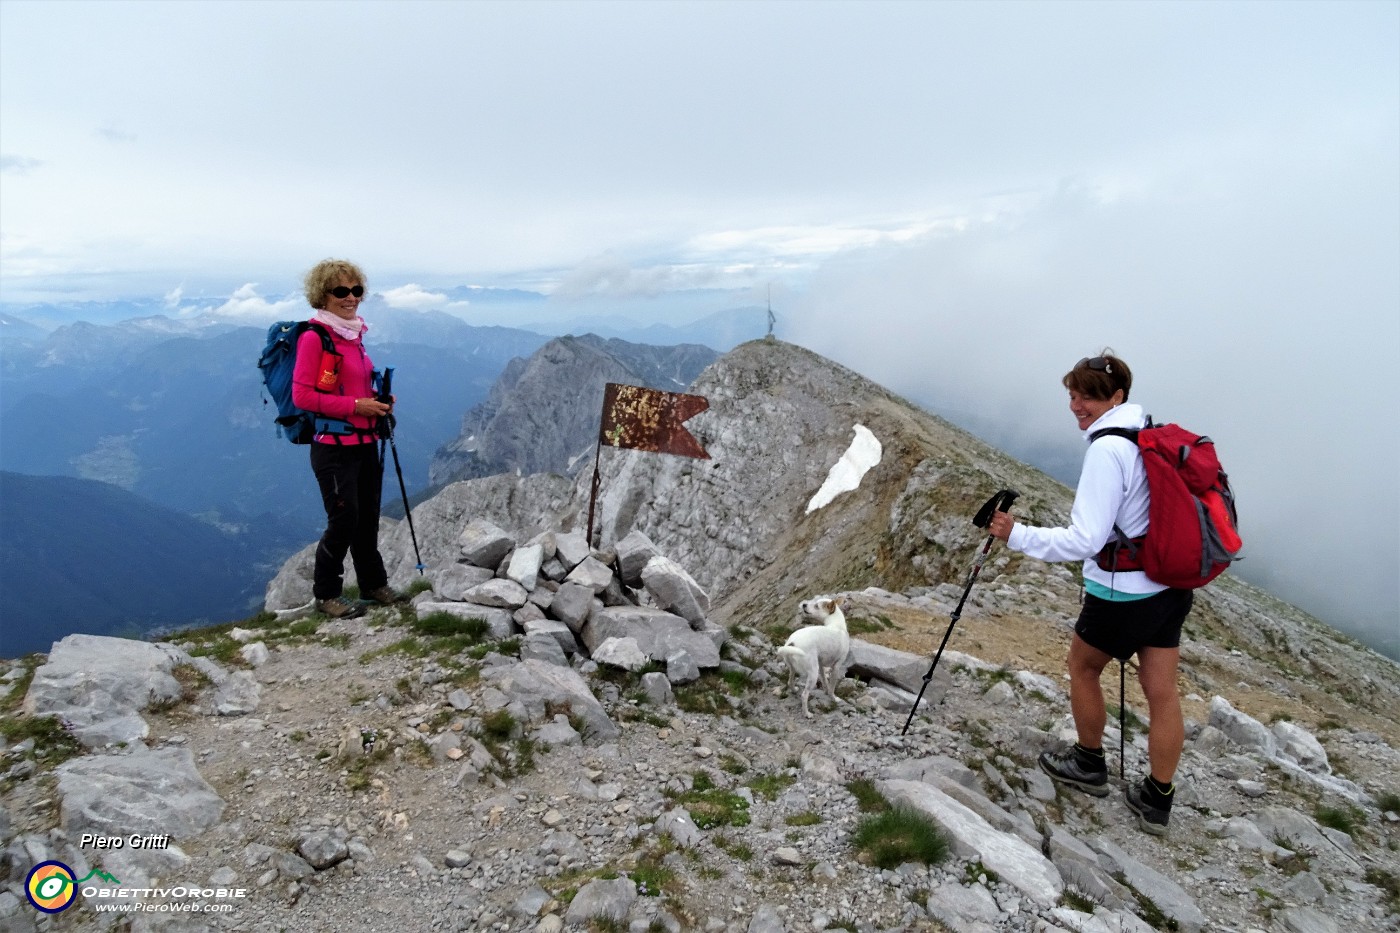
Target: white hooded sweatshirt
1112 491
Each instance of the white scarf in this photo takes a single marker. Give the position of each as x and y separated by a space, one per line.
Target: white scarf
350 330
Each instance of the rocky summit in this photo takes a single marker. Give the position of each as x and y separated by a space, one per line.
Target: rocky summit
554 734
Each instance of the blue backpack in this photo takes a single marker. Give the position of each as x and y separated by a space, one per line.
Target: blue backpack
278 360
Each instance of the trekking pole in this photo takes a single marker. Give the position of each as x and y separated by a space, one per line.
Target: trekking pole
1122 710
386 429
999 502
1122 716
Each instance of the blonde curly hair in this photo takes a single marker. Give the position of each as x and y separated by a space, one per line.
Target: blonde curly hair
326 275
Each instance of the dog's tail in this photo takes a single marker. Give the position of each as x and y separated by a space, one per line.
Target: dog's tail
786 650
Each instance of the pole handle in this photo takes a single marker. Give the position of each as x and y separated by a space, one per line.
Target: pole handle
384 394
1000 501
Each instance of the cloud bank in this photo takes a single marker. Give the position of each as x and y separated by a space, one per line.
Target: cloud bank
414 297
247 304
1267 322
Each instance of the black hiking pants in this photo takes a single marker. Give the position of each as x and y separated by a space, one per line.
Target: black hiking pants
350 478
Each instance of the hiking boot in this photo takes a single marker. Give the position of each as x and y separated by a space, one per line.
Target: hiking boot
1067 767
386 596
338 607
1150 819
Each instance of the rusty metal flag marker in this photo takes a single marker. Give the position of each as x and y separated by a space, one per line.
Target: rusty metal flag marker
649 419
637 418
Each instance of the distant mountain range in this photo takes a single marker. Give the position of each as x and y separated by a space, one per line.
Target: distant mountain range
173 409
180 417
721 331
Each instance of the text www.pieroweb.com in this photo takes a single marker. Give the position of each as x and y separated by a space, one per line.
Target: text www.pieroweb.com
185 900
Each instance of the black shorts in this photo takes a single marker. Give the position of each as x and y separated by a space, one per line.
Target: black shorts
1122 629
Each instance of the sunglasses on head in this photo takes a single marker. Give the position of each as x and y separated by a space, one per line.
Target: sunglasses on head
340 291
1099 363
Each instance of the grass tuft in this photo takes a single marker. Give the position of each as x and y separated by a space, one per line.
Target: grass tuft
53 742
1389 884
710 806
769 786
1076 900
420 585
447 625
1344 819
899 835
867 797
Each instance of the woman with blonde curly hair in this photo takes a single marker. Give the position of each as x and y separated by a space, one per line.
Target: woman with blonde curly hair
338 386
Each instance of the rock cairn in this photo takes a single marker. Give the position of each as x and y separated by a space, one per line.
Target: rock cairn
629 606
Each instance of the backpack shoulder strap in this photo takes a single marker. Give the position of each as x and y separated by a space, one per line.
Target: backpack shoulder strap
1128 433
327 345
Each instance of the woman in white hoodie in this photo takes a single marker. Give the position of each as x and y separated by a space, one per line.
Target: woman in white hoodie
1125 612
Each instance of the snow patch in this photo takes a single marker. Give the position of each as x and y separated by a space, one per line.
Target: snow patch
865 452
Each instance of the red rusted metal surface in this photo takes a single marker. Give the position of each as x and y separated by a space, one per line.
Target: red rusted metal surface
637 418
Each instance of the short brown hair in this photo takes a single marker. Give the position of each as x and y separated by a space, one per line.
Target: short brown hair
325 275
1098 377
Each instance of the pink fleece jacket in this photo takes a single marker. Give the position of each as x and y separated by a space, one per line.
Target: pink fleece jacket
355 382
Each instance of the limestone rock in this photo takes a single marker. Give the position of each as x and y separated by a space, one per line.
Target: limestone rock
142 791
500 622
524 566
572 549
541 646
1170 897
237 695
633 553
899 668
536 684
1242 729
675 590
456 580
323 850
498 594
591 573
621 652
1300 745
484 544
99 685
596 900
659 634
1016 862
572 604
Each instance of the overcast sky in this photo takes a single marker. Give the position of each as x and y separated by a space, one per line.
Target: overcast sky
956 199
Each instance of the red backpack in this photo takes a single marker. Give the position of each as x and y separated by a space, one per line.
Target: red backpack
1191 521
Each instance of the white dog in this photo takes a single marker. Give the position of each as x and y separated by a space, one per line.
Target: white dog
817 651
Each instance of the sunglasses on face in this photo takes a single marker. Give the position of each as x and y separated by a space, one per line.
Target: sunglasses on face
1099 363
340 291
